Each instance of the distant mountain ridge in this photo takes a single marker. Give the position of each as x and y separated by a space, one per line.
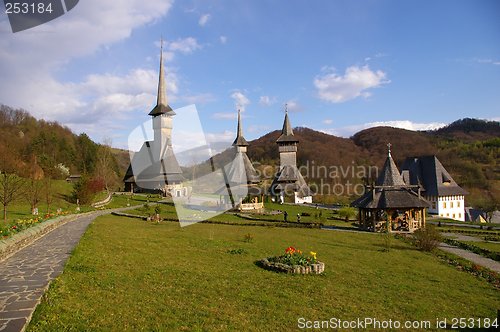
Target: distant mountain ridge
468 148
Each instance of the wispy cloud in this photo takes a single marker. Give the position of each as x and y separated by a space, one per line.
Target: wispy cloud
355 82
293 106
225 115
240 100
184 45
267 100
99 97
328 121
204 19
487 61
223 39
348 131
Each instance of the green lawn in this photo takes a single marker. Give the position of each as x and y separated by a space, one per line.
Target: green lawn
128 275
62 189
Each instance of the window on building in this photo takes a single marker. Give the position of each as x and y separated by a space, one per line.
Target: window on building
451 205
433 205
447 214
453 216
458 204
460 215
444 205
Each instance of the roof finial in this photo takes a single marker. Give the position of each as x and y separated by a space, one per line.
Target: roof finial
286 108
389 148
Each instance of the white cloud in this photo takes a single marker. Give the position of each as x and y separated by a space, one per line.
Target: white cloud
328 121
240 100
487 61
223 39
348 131
267 100
225 115
354 83
293 106
225 136
202 98
258 128
204 19
184 45
30 60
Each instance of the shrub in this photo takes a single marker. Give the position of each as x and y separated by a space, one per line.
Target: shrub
347 213
248 238
427 238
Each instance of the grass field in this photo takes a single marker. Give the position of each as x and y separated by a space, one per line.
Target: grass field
21 208
128 275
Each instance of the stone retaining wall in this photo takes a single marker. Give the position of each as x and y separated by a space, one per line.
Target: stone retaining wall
17 241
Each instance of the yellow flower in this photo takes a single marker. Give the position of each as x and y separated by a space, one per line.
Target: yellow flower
313 254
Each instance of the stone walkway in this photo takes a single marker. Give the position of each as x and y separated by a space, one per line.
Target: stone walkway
470 256
461 237
25 276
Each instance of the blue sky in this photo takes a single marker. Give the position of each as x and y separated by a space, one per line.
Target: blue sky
341 66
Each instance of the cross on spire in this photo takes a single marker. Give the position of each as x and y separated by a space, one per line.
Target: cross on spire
389 148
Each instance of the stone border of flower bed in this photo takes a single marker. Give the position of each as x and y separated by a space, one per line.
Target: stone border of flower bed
315 268
18 241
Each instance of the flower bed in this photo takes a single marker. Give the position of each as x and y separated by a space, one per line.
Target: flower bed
20 225
293 261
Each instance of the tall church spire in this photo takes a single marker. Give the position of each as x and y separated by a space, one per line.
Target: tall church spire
240 140
162 95
162 106
287 131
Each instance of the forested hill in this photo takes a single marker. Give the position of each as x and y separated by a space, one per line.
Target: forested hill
48 148
468 148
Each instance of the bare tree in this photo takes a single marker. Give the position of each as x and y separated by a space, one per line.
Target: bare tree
11 188
104 164
34 184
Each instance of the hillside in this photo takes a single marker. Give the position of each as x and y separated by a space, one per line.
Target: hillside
29 145
468 148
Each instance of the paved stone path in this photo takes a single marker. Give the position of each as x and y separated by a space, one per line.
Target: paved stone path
461 237
470 256
25 276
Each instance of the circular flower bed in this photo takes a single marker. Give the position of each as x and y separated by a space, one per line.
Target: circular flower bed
293 261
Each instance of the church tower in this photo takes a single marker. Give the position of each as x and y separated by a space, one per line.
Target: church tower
288 180
162 115
287 145
154 168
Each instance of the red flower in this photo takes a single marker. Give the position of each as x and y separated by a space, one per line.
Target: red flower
290 250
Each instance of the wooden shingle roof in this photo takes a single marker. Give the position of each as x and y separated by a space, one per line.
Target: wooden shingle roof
428 173
287 135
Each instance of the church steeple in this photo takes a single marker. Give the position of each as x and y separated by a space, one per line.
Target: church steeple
162 106
390 176
240 140
287 131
